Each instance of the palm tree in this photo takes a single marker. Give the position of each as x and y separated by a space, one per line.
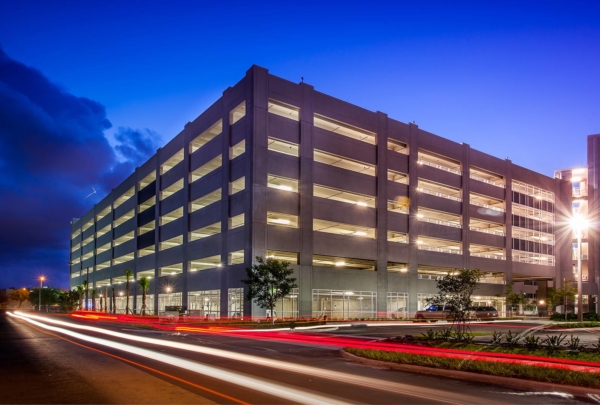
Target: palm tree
93 299
106 299
144 283
128 274
86 286
80 296
114 301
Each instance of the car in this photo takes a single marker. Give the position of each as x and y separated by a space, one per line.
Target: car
435 313
483 313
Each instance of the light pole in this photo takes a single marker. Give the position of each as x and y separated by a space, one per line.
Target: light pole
42 278
578 223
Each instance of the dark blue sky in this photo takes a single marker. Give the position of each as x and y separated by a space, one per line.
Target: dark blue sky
89 89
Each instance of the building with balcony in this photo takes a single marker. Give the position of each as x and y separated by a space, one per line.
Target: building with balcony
369 211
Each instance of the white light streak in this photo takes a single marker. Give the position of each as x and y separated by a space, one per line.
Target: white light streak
430 394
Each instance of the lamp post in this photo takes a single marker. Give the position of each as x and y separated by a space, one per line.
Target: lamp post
578 223
42 278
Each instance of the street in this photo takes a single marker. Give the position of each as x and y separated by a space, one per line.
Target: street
114 363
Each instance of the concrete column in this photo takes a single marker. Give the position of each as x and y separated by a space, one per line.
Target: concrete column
542 295
227 105
157 186
306 201
413 223
186 217
593 163
563 207
508 221
257 112
466 214
382 219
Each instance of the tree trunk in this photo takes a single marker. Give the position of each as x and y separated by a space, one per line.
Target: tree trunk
127 297
114 302
144 303
272 314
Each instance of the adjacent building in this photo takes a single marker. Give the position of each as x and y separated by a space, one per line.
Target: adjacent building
370 211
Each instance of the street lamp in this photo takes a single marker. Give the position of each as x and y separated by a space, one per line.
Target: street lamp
579 223
42 278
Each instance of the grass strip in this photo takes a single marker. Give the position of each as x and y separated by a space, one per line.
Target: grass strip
539 352
573 325
542 374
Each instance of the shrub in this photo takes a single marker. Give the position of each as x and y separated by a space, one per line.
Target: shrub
512 339
574 343
554 342
444 334
429 334
561 317
591 317
497 338
532 342
597 346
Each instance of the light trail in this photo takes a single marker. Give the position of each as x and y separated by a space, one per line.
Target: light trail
278 390
430 394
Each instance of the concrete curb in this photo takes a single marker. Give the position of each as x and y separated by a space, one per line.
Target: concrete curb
507 382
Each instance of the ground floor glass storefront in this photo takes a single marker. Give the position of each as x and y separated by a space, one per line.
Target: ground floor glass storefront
477 300
287 307
149 304
167 300
235 302
340 304
205 304
397 305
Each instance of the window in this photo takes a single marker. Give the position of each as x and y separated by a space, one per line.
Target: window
397 267
76 247
344 304
398 237
206 200
171 216
75 234
125 238
150 226
236 257
171 269
287 307
397 305
87 255
439 217
128 194
205 263
287 148
146 273
439 190
122 259
146 181
237 113
397 146
284 110
237 221
103 265
343 262
237 149
290 257
533 258
172 189
103 248
439 162
124 218
486 177
278 219
399 205
205 304
237 185
171 243
344 163
479 225
532 191
341 128
205 232
146 251
87 225
335 194
338 228
103 231
103 213
282 183
486 202
235 302
397 177
172 162
202 139
439 245
487 252
206 168
88 240
151 202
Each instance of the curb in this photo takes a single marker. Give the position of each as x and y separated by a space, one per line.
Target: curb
507 382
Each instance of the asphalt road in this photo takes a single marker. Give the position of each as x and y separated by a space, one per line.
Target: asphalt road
39 366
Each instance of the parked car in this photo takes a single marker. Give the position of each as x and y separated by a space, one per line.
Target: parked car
435 313
483 313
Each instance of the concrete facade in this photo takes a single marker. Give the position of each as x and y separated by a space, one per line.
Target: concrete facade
369 210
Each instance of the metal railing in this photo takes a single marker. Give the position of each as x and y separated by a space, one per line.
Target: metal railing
440 222
488 256
437 166
438 194
493 183
440 249
492 207
499 232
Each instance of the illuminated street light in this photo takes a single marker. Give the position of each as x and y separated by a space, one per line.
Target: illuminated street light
578 224
42 278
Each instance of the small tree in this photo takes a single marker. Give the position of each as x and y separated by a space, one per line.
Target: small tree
128 274
3 297
513 299
561 295
454 292
80 296
86 287
269 280
21 295
144 283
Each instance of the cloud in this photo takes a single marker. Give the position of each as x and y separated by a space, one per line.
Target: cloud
53 150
